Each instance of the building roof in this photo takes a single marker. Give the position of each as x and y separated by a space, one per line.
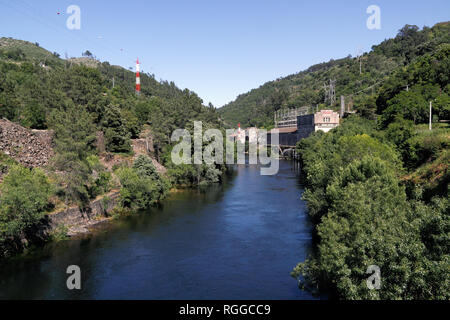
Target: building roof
285 130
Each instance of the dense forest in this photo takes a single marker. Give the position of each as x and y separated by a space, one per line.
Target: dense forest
377 185
359 86
78 100
378 197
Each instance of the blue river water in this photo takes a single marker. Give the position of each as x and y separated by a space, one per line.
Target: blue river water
238 240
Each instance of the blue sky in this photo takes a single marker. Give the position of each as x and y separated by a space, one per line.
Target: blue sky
219 49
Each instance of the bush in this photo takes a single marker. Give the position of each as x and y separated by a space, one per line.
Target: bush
142 185
24 197
116 135
100 180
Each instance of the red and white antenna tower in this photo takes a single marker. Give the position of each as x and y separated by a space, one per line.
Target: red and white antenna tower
138 78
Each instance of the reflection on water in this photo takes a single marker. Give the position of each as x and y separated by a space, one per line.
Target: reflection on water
239 240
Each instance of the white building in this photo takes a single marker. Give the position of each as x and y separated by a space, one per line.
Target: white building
325 120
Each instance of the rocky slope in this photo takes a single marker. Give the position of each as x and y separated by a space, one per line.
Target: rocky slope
31 148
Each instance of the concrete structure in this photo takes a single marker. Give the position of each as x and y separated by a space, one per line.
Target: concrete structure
305 124
243 135
286 136
326 120
240 135
252 134
288 118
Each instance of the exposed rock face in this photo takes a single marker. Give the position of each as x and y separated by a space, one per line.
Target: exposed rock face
31 148
79 222
85 61
100 142
145 146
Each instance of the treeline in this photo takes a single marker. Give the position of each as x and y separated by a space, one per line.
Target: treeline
370 208
306 88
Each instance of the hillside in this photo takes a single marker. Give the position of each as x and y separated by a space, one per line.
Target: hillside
72 130
15 50
35 83
306 88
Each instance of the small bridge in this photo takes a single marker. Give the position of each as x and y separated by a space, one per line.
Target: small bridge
286 151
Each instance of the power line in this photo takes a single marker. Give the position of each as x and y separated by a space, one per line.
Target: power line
30 11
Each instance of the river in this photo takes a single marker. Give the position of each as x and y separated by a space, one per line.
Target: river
238 240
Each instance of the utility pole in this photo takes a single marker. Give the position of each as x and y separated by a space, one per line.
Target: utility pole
113 82
359 53
65 62
431 117
360 65
342 106
332 91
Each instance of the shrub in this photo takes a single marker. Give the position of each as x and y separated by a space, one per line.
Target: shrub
24 197
142 185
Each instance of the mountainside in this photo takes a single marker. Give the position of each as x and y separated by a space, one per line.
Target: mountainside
73 130
35 84
306 88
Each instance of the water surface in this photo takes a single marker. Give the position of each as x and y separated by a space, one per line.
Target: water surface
239 240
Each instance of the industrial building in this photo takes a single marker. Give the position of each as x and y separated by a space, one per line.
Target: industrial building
305 124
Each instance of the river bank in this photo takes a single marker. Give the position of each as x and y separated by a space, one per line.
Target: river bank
229 241
78 222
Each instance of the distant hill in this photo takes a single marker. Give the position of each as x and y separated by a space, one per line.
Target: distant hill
306 88
36 84
19 51
13 49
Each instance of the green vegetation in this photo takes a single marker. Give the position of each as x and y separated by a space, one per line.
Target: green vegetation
142 185
74 139
412 59
92 121
371 208
24 197
5 163
201 174
59 233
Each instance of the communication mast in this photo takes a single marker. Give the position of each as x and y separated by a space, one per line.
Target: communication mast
138 78
330 92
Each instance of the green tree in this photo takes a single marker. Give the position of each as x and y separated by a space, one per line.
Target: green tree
116 135
142 185
24 196
34 116
400 134
370 223
74 138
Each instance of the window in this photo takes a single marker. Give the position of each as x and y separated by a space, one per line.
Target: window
327 119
